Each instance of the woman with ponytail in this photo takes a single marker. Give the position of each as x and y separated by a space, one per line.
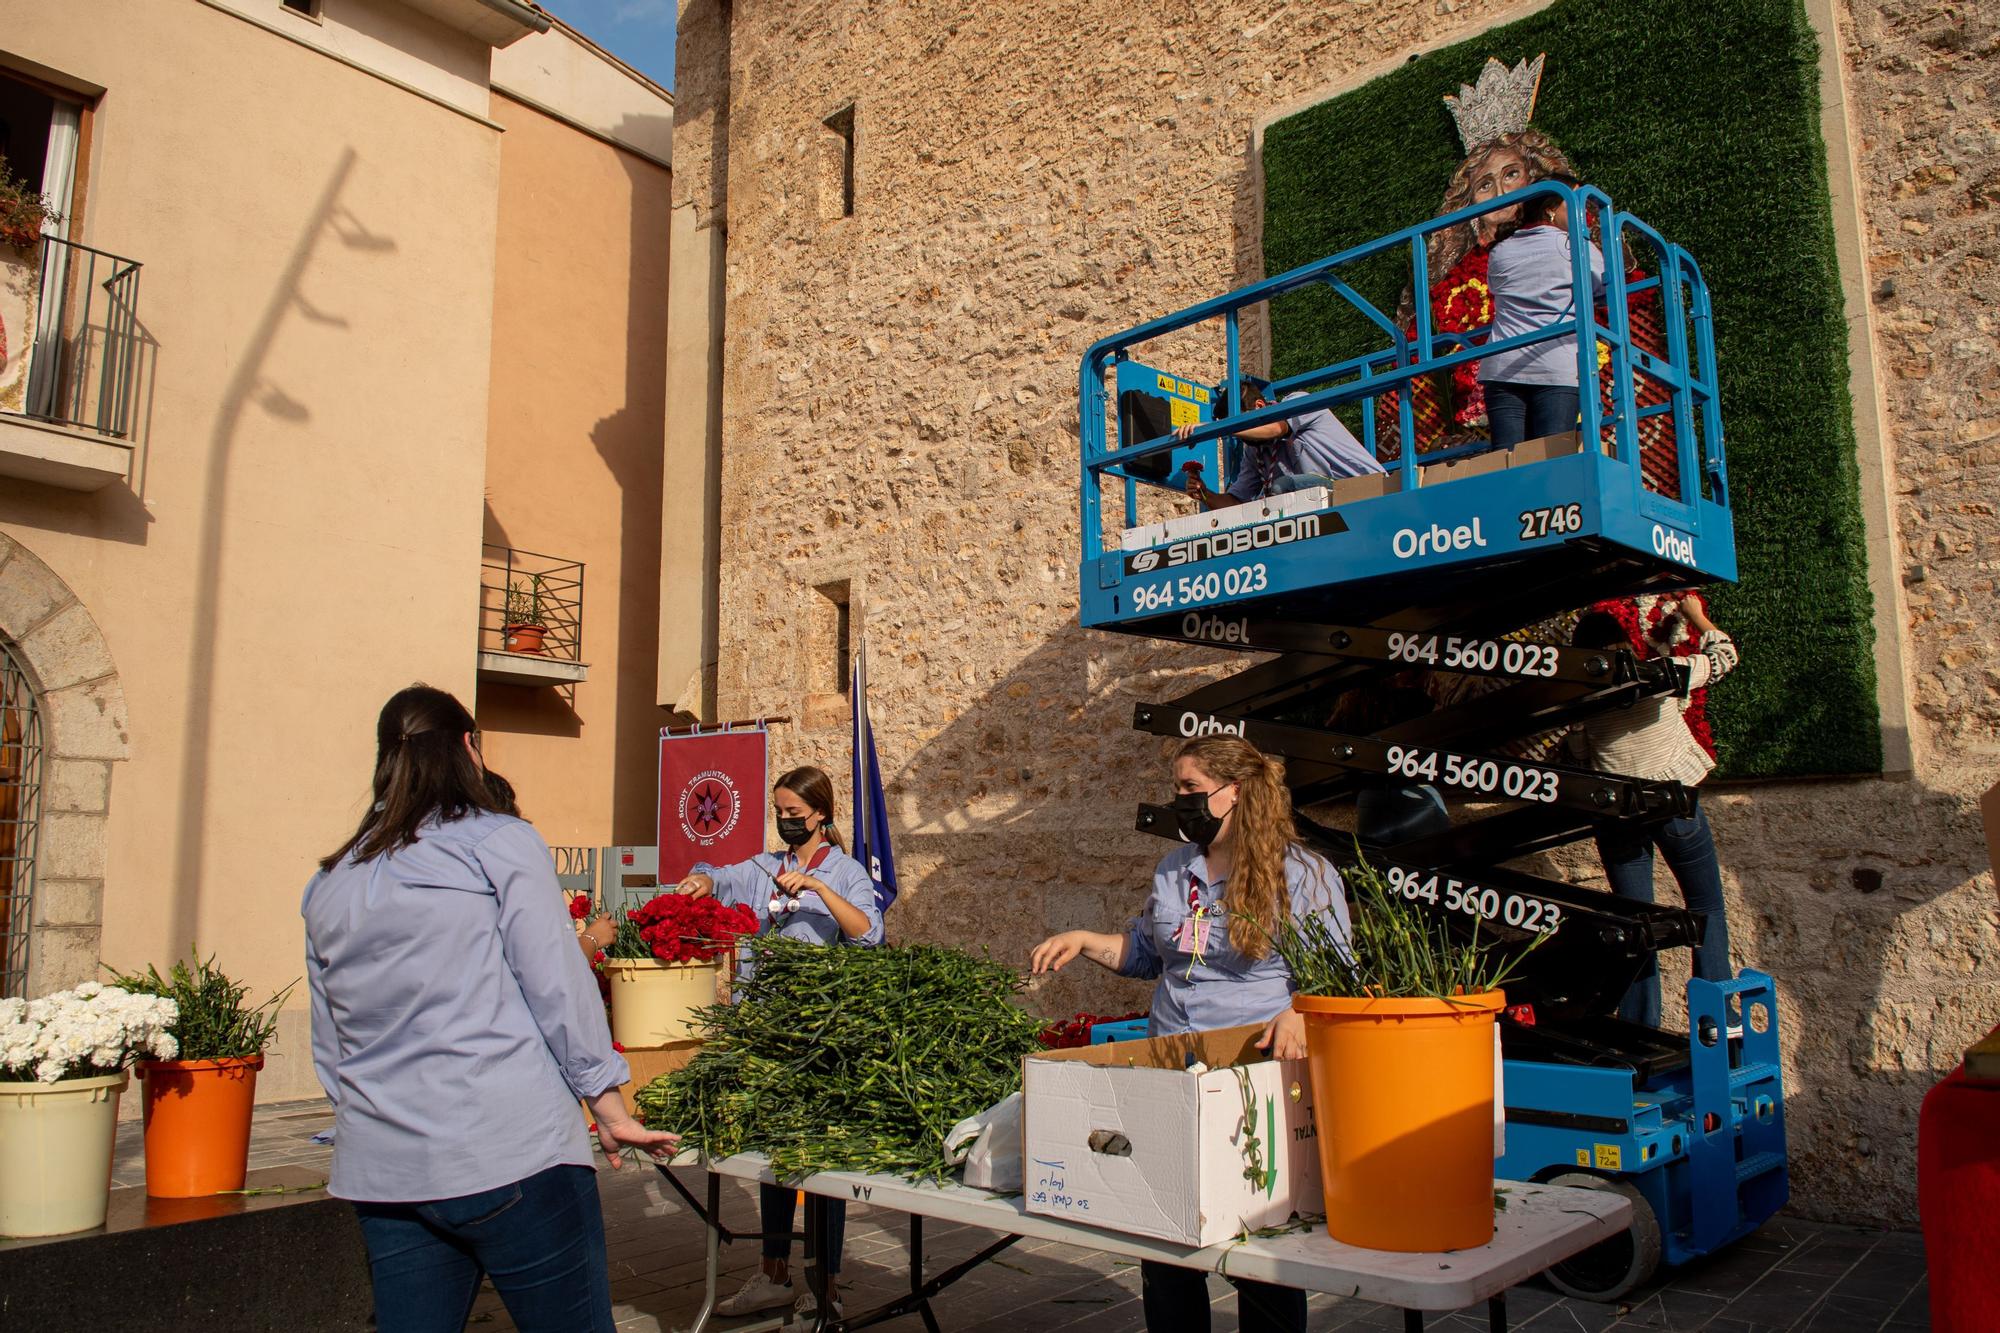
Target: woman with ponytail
812 891
1206 932
454 1027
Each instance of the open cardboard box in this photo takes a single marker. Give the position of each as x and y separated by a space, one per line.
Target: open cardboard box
1125 1136
1497 460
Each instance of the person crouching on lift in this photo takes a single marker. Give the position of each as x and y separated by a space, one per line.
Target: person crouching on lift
1205 932
812 891
1290 454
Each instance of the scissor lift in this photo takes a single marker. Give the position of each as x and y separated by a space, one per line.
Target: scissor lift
1440 565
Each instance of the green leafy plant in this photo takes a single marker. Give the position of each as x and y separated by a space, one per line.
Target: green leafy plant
841 1059
1397 951
23 212
524 601
214 1022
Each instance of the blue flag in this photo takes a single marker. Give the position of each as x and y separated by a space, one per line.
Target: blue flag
871 816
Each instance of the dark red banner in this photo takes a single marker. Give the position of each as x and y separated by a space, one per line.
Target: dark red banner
712 794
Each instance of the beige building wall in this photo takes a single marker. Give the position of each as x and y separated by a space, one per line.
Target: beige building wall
574 450
898 400
300 536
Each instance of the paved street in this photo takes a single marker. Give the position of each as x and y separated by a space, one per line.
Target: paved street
1790 1277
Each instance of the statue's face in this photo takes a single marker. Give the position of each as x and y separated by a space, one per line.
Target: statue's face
1501 170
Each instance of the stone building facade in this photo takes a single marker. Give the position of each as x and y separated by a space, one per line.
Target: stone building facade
895 405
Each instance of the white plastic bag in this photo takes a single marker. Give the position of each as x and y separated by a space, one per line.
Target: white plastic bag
989 1144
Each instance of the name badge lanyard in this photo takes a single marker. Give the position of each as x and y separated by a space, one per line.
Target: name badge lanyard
1193 933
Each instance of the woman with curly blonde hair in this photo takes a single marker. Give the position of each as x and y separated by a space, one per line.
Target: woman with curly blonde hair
1206 933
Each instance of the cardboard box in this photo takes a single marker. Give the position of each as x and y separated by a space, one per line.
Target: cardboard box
1124 1136
649 1062
1373 486
1496 460
1458 469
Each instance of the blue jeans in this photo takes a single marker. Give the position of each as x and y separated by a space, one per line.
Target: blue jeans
776 1204
541 1240
1689 846
1299 481
1517 412
1175 1300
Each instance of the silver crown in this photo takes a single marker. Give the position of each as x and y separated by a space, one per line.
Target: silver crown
1500 103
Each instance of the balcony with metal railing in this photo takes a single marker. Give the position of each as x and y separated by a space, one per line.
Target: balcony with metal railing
71 364
530 619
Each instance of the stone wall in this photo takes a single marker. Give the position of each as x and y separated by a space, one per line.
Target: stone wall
899 416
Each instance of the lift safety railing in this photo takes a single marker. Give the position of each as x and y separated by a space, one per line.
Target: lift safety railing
1687 371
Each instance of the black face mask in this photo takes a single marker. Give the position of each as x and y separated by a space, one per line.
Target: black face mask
793 832
1198 824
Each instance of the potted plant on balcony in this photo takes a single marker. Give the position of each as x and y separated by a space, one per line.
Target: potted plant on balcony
1399 1043
23 214
524 626
198 1103
664 964
63 1061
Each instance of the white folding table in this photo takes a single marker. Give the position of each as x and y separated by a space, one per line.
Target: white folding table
1537 1226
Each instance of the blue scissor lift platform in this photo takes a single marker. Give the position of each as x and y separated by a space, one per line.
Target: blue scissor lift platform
1441 564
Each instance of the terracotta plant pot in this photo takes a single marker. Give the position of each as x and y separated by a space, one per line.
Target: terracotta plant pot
653 1003
523 638
198 1124
55 1154
1403 1095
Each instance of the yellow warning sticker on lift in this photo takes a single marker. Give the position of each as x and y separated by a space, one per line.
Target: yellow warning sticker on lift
1200 395
1165 383
1583 1157
1183 413
1609 1158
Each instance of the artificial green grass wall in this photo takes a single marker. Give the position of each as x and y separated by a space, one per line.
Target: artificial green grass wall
1702 117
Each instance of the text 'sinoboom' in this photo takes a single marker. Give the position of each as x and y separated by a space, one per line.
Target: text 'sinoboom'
1215 545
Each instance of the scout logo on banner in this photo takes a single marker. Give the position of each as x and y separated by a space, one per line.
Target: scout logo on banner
712 793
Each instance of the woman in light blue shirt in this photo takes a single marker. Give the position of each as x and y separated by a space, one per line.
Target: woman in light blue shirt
1206 933
812 891
455 1024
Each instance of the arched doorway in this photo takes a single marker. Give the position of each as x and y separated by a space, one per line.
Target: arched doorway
62 732
20 816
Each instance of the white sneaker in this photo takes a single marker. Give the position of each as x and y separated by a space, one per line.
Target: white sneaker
805 1309
758 1294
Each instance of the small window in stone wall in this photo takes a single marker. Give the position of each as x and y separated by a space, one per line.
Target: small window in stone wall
307 9
836 165
833 639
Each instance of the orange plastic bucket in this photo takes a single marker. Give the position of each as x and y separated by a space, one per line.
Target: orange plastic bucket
1403 1097
198 1125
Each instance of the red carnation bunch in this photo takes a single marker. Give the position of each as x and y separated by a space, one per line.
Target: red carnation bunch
579 907
680 928
1076 1031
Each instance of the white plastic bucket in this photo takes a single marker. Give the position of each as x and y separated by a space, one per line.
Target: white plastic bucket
55 1154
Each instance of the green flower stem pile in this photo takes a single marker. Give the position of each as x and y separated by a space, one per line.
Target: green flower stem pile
846 1059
